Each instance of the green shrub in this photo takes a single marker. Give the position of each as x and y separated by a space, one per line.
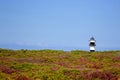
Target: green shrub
24 67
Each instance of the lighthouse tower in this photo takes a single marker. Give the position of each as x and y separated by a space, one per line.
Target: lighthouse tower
92 44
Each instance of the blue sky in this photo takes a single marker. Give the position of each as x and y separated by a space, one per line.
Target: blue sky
59 24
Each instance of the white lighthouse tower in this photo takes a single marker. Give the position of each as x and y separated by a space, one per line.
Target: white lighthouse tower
92 44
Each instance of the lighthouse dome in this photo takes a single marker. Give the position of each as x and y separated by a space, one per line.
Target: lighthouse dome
92 39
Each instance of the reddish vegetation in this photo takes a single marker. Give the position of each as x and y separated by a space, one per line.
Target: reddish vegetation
59 65
21 77
84 60
6 70
116 58
105 75
64 64
54 68
97 65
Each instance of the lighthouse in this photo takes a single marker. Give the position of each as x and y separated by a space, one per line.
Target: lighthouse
92 44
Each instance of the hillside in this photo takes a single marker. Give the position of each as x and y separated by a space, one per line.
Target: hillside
59 65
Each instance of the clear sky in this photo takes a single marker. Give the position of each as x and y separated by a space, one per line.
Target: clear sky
59 24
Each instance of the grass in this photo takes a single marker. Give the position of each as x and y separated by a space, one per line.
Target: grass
59 65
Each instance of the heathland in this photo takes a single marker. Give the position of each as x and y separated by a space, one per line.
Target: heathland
59 65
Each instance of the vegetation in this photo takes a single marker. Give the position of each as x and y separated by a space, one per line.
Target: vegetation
59 65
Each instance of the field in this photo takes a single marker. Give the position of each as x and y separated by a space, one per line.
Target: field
59 65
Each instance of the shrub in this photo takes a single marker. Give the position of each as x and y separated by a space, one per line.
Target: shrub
73 74
24 66
6 70
105 75
22 77
116 58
